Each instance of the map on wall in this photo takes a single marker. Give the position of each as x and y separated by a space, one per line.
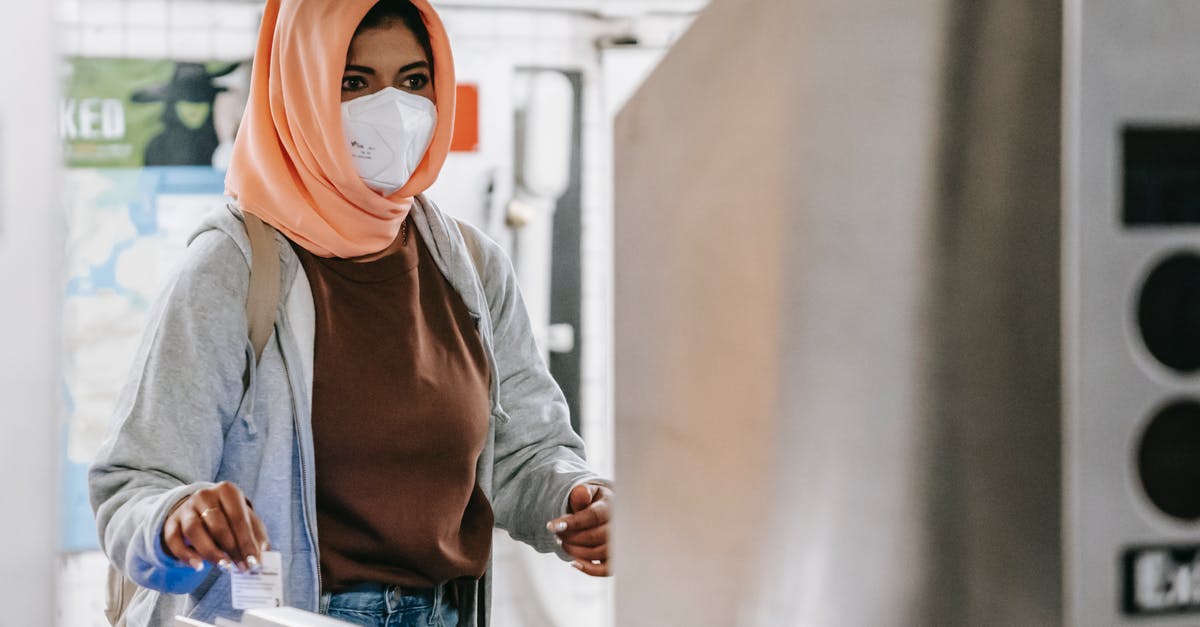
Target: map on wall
145 143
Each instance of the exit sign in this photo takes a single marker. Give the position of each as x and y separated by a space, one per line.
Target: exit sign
1162 579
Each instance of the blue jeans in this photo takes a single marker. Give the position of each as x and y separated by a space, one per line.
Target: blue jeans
379 605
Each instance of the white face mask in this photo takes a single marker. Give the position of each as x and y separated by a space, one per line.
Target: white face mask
388 133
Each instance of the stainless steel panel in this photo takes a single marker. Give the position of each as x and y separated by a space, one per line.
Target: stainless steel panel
1128 62
837 390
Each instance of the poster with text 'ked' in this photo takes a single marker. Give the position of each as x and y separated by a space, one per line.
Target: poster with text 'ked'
128 113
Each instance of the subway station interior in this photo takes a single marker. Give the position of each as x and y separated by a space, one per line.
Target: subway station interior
866 313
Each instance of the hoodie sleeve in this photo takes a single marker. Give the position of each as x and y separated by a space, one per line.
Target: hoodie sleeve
539 457
167 434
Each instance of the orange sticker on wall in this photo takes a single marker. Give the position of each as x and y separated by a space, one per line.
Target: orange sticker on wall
466 119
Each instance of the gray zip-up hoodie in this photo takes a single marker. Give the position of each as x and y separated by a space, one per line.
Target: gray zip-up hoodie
197 409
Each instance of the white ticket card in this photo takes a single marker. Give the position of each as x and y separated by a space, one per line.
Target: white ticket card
261 589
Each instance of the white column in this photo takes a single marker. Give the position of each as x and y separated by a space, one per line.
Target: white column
31 248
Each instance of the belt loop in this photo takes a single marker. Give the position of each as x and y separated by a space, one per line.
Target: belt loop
435 616
391 594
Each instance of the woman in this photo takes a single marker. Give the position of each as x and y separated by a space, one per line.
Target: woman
401 407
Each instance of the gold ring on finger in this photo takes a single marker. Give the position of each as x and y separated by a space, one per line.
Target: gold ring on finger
204 514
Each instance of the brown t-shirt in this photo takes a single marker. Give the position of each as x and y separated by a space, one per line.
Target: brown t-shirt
399 416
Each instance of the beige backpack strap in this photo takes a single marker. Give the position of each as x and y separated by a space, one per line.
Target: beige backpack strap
119 591
468 236
262 297
472 244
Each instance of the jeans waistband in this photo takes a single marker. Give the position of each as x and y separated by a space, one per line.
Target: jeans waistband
384 599
408 591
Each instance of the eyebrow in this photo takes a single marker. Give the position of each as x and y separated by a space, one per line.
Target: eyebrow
366 70
413 66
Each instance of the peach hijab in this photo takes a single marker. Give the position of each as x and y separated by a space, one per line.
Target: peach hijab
290 164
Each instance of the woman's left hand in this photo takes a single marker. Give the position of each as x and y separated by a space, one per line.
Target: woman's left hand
583 533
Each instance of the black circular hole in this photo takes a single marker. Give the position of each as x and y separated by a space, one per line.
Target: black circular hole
1169 312
1169 460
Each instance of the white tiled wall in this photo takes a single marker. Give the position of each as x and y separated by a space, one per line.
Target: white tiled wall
552 39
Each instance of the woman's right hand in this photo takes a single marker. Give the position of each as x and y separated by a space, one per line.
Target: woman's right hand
216 525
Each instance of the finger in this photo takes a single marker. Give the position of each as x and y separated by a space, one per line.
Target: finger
581 496
587 553
594 515
195 533
586 537
593 568
237 514
176 547
219 531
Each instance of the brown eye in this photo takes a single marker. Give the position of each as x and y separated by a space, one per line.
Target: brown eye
415 82
353 83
